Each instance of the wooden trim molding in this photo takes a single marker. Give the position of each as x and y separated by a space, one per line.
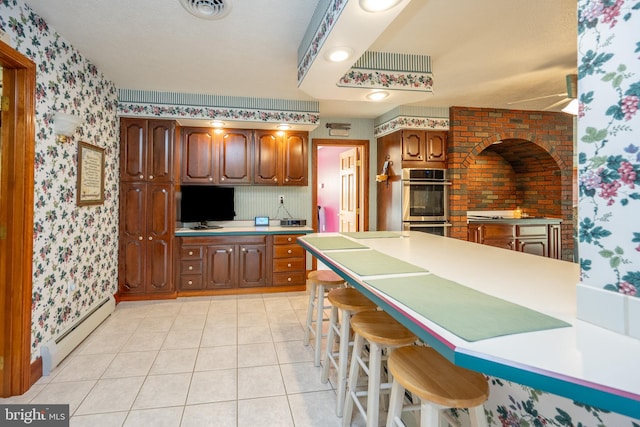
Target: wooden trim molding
16 214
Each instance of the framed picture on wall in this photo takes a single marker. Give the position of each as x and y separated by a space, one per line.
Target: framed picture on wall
90 174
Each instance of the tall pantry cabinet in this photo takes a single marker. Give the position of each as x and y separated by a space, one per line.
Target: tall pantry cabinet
147 208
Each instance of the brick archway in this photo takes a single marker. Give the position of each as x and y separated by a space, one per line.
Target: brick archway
474 130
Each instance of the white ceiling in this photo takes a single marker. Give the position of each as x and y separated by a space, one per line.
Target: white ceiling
484 53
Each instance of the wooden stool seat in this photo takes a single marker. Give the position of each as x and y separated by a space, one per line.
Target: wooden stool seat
350 299
326 278
437 382
428 375
381 332
320 281
345 302
381 328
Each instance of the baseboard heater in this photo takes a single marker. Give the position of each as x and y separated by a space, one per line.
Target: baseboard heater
57 348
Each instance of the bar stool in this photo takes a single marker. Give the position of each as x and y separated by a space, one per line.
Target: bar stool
438 383
380 330
320 281
344 303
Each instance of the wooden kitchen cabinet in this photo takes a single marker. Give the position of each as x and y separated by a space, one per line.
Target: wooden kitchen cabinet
234 151
289 261
212 157
280 159
146 150
147 208
221 262
541 239
146 239
421 148
197 156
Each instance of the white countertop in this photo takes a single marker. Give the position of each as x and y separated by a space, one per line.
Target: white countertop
583 362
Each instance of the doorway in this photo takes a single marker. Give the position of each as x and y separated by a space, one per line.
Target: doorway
340 191
17 145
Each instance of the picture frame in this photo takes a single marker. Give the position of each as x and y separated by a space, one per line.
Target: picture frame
90 174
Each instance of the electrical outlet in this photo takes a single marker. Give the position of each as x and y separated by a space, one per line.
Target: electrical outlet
281 199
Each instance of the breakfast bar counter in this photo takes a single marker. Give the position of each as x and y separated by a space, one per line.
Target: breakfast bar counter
504 313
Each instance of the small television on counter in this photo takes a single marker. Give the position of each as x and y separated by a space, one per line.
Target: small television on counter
203 203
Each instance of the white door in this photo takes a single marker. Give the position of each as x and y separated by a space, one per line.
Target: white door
349 208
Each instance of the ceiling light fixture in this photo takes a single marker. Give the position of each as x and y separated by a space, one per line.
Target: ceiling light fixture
217 123
207 9
377 96
338 54
375 6
284 126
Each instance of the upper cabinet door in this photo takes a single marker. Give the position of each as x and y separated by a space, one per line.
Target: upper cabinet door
267 161
235 157
198 156
436 146
146 150
413 145
133 151
160 150
295 161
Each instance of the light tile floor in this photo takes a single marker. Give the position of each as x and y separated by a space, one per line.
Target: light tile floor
205 361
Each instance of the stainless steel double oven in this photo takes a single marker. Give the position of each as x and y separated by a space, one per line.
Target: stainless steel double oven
425 201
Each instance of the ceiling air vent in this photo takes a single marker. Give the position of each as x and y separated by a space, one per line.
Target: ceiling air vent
207 9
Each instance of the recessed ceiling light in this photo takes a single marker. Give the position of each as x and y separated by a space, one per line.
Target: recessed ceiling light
378 5
217 123
338 54
377 96
284 126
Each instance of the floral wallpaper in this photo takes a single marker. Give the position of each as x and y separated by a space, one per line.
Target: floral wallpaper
74 247
609 144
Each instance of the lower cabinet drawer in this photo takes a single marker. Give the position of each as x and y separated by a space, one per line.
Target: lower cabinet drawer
289 278
288 264
287 251
190 282
191 267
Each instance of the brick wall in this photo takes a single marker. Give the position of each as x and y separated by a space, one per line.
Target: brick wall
502 159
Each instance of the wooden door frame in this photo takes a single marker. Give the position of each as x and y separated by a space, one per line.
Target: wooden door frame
363 178
16 250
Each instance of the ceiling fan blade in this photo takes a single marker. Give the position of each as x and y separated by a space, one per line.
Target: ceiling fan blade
555 104
537 98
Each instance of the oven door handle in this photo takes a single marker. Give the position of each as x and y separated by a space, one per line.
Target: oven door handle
419 182
426 224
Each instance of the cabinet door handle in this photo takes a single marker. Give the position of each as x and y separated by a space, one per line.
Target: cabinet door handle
222 179
275 179
244 250
139 237
150 176
150 238
230 250
190 252
289 239
190 282
210 178
289 251
190 267
289 265
286 180
289 279
141 176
